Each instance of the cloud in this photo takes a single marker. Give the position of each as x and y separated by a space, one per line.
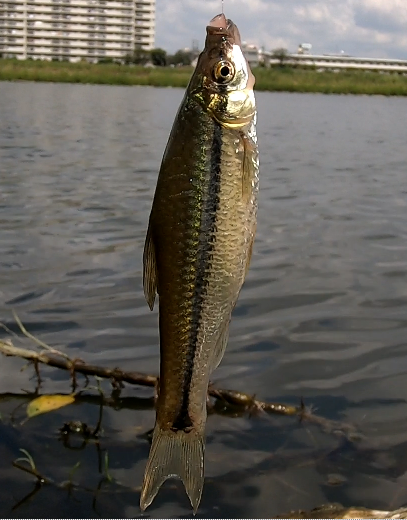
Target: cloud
359 27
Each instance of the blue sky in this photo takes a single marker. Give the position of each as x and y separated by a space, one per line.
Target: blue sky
375 28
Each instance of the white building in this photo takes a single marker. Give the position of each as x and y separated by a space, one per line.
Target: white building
252 54
75 29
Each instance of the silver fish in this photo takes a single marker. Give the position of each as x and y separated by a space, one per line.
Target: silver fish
198 248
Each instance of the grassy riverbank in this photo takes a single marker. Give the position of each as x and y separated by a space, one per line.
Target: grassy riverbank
276 79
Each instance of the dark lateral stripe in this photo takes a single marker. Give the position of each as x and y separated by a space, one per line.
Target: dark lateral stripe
208 228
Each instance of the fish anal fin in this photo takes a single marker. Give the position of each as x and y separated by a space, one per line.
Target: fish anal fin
149 269
174 454
221 345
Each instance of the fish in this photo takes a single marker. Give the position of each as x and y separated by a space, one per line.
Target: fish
198 248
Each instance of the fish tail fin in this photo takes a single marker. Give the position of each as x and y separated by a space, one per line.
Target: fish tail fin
174 453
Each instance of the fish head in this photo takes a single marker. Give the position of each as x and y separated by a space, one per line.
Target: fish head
222 82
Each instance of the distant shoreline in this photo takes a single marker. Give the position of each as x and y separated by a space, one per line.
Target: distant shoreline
274 79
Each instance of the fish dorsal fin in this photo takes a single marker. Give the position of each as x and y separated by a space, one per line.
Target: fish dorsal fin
248 166
221 345
149 270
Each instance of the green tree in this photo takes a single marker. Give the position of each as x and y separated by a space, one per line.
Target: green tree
140 56
158 57
180 58
282 55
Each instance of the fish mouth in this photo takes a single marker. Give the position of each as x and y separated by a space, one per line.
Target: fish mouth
222 26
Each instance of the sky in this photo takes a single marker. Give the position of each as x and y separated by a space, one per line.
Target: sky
371 28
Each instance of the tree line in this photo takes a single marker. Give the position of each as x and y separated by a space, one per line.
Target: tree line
160 57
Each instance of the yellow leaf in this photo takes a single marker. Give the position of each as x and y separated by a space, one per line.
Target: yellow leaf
48 403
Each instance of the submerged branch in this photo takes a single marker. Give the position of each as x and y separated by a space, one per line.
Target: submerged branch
58 360
227 397
224 400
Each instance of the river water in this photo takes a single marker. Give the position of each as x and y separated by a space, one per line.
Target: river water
322 315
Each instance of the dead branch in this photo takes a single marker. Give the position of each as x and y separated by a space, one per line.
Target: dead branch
54 359
116 375
224 399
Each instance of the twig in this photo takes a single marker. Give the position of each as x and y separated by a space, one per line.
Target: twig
33 338
133 378
32 471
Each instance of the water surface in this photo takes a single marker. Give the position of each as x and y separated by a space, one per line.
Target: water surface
322 316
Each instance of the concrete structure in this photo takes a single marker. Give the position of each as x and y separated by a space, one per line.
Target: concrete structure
252 54
75 29
338 62
304 48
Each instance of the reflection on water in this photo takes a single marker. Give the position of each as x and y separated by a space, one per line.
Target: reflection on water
323 313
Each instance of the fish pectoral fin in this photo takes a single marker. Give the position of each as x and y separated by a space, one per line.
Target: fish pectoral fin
149 270
248 166
250 252
221 345
174 453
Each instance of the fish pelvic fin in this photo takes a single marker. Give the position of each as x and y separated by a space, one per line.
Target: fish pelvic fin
174 454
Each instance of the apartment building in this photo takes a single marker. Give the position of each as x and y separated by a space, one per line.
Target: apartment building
75 29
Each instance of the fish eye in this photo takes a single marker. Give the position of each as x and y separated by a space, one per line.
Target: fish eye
223 72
